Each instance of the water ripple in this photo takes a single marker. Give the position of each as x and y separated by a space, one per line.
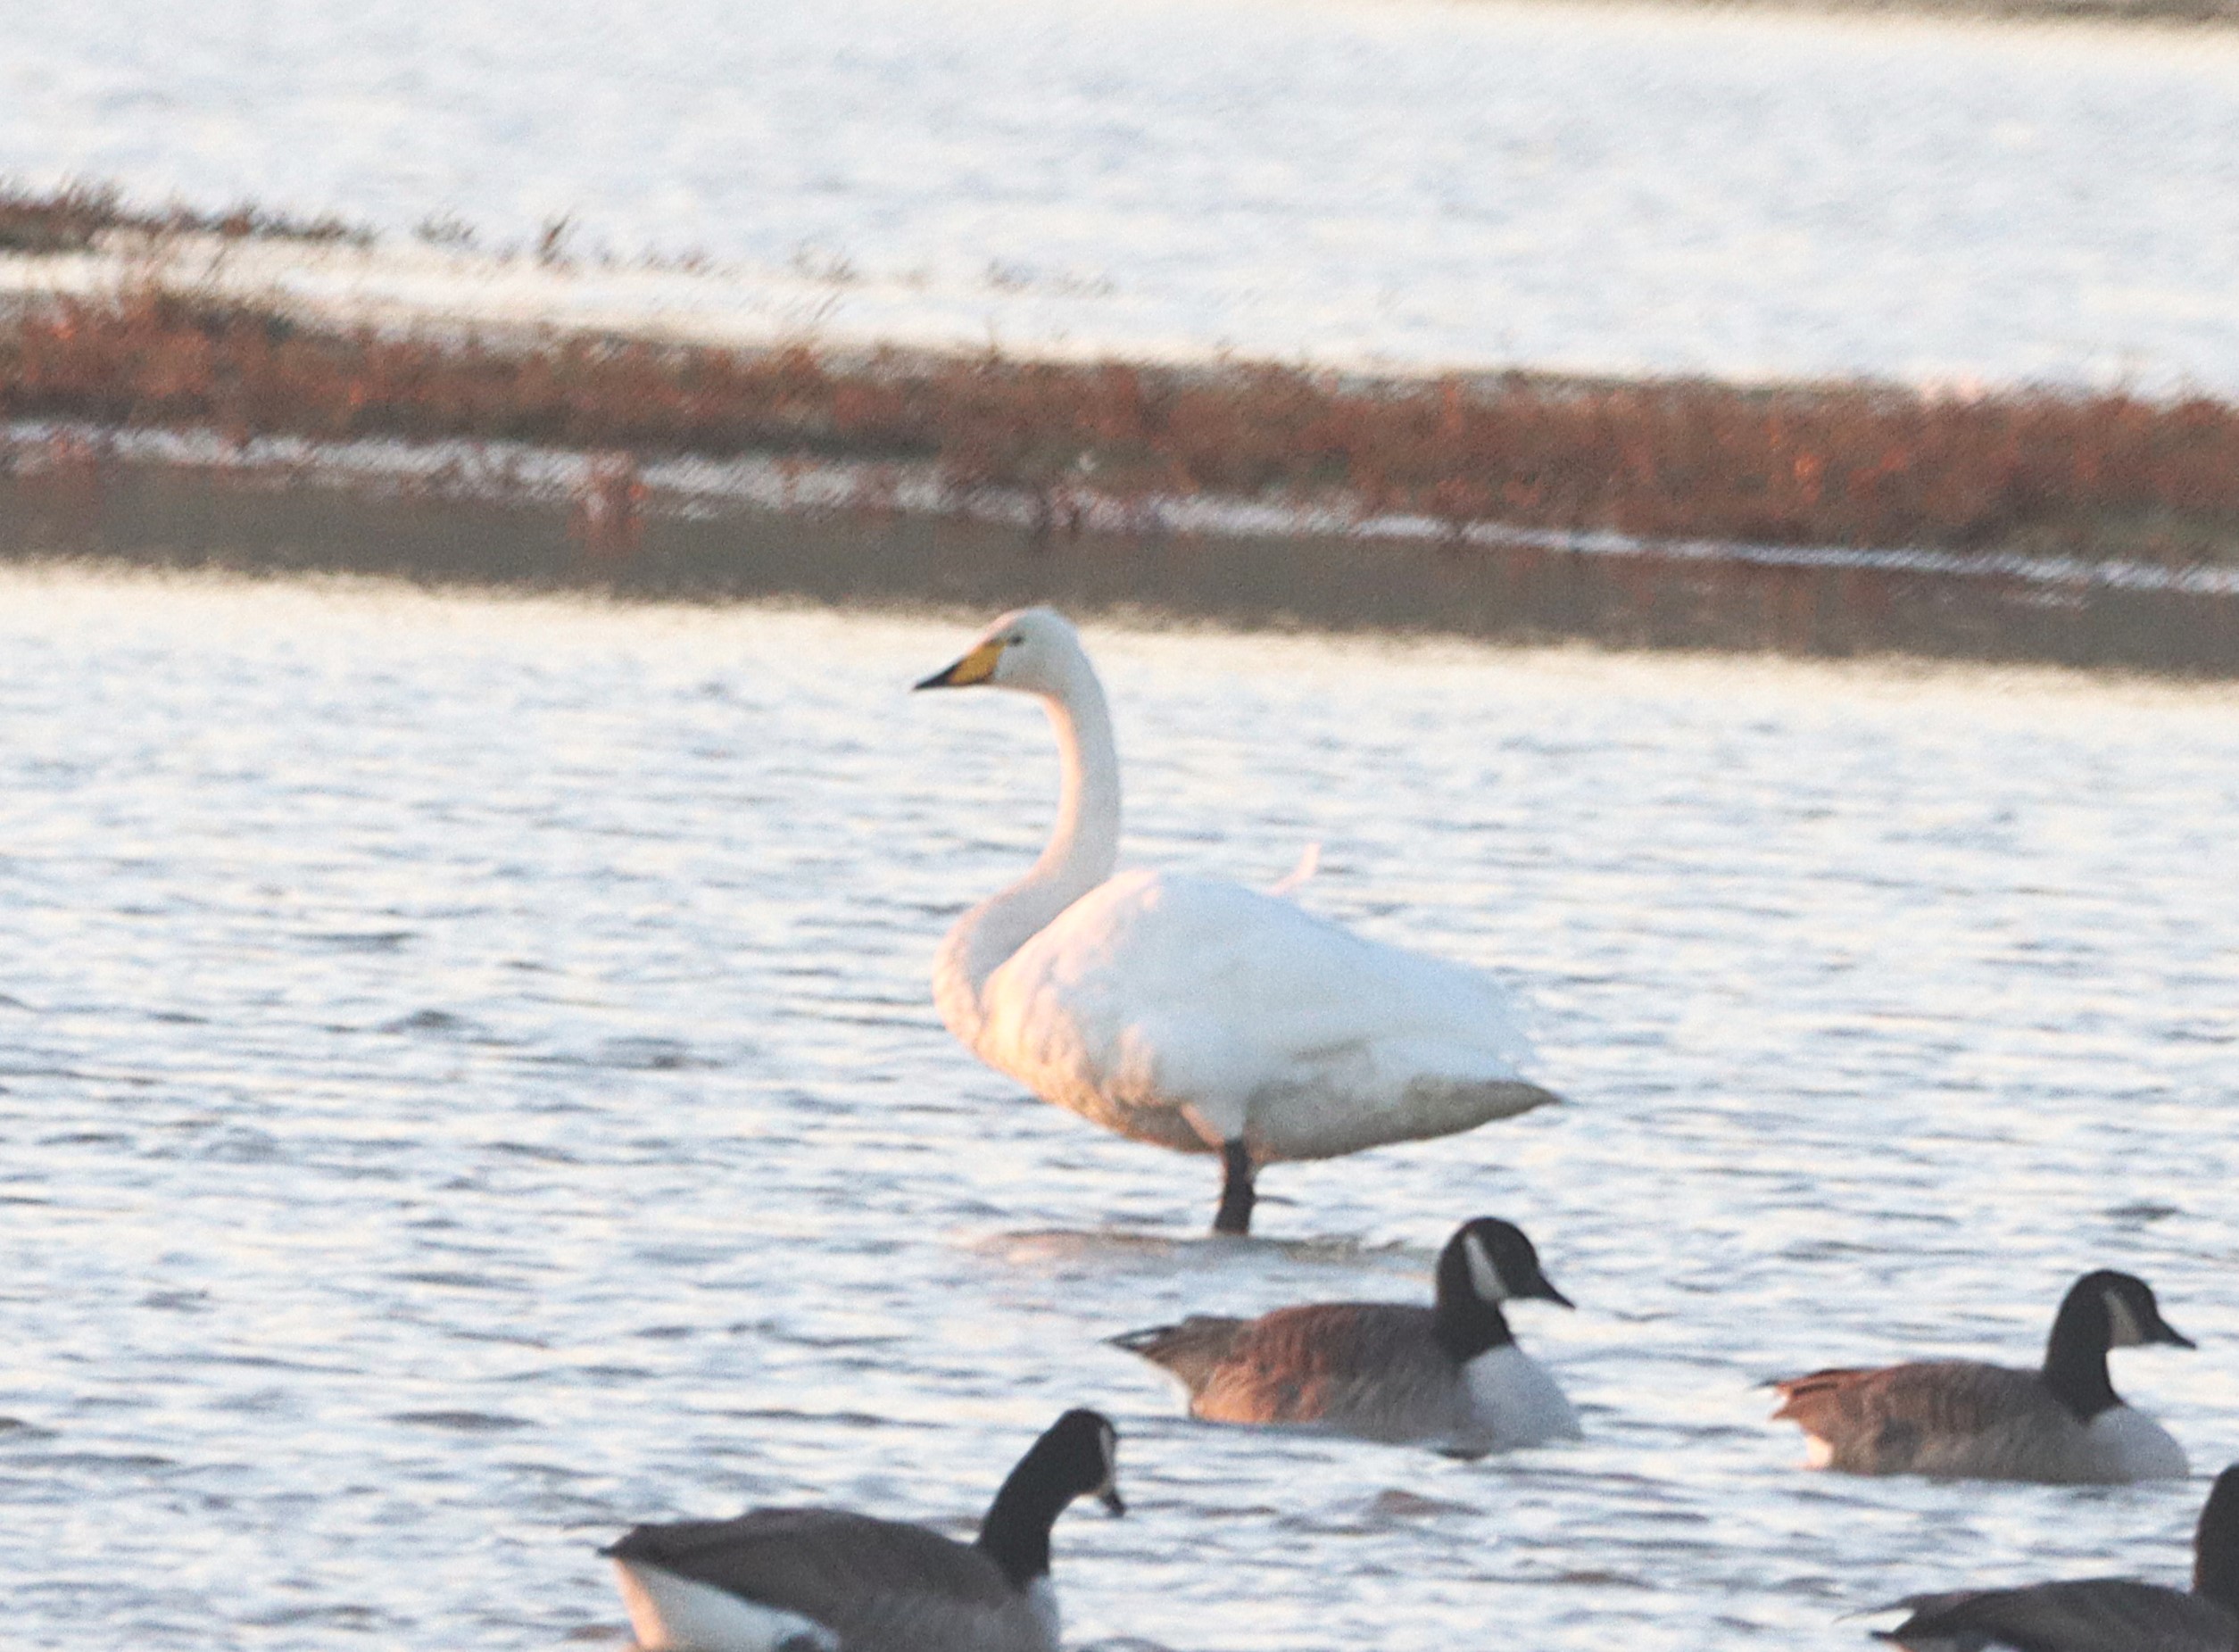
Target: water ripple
469 1087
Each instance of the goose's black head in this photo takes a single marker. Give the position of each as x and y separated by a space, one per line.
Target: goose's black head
1487 1262
2216 1543
1077 1456
2102 1310
2118 1310
1079 1453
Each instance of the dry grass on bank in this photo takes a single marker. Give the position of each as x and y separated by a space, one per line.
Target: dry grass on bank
1820 464
71 218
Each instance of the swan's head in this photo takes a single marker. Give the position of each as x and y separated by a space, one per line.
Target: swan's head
1491 1260
1033 649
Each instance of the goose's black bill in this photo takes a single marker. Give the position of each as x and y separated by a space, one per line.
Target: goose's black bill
1544 1291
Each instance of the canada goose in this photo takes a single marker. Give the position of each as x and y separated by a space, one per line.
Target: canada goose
1450 1374
823 1580
1962 1418
2100 1614
1190 1012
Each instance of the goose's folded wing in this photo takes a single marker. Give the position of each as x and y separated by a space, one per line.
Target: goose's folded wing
863 1577
1897 1403
2091 1615
1192 1350
1366 1365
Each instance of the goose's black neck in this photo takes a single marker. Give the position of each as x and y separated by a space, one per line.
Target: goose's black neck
1464 1322
2075 1356
1016 1533
2216 1545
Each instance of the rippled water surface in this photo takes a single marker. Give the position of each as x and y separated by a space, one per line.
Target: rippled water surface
1673 188
468 1084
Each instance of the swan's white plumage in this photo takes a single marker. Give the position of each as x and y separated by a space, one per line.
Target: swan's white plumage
1189 1011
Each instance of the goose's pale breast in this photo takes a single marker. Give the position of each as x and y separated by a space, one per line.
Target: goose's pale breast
2132 1446
1514 1402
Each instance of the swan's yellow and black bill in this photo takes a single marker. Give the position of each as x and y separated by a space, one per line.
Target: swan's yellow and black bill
976 667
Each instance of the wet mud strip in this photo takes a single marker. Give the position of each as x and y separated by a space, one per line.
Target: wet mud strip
167 515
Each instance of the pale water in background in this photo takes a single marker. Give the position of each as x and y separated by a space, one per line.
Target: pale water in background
470 1084
1668 188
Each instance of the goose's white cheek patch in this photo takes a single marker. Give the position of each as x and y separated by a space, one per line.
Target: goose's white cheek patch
1483 1274
2123 1330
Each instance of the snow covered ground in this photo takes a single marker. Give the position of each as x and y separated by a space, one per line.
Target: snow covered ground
1384 183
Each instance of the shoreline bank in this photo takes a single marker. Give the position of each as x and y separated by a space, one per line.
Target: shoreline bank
1861 465
845 535
1823 518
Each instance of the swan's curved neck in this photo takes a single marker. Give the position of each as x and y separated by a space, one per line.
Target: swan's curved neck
1083 846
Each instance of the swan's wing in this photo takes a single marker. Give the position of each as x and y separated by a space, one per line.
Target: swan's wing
2089 1614
1156 991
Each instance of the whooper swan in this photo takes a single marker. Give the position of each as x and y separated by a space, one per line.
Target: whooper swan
1191 1012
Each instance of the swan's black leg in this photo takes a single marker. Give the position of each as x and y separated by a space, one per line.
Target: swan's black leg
1235 1214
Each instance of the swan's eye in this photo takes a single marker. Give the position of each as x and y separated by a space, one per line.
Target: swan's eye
1014 641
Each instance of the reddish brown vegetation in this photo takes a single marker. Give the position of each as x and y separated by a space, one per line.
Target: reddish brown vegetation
1833 464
